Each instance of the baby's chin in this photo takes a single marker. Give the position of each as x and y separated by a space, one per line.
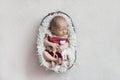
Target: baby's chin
61 35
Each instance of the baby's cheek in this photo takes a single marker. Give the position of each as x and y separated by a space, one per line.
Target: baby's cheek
60 33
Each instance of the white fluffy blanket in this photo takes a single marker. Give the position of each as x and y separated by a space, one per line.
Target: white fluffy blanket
71 51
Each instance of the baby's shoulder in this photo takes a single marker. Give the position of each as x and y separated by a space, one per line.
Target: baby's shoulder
48 34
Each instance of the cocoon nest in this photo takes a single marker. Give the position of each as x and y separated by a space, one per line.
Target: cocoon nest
71 51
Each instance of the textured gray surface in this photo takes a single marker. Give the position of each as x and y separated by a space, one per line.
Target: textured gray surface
98 31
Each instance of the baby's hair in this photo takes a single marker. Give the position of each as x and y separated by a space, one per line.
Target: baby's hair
53 22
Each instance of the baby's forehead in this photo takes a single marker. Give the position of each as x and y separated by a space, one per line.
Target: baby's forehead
61 20
58 21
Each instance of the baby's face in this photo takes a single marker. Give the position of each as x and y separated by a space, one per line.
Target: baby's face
62 29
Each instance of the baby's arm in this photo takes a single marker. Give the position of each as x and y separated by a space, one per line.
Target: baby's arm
50 44
46 42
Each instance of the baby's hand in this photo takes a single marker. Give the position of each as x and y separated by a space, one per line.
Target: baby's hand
61 48
55 46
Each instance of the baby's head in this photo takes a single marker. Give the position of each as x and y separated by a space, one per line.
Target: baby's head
58 26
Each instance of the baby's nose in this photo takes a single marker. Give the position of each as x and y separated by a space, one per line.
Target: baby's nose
64 31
